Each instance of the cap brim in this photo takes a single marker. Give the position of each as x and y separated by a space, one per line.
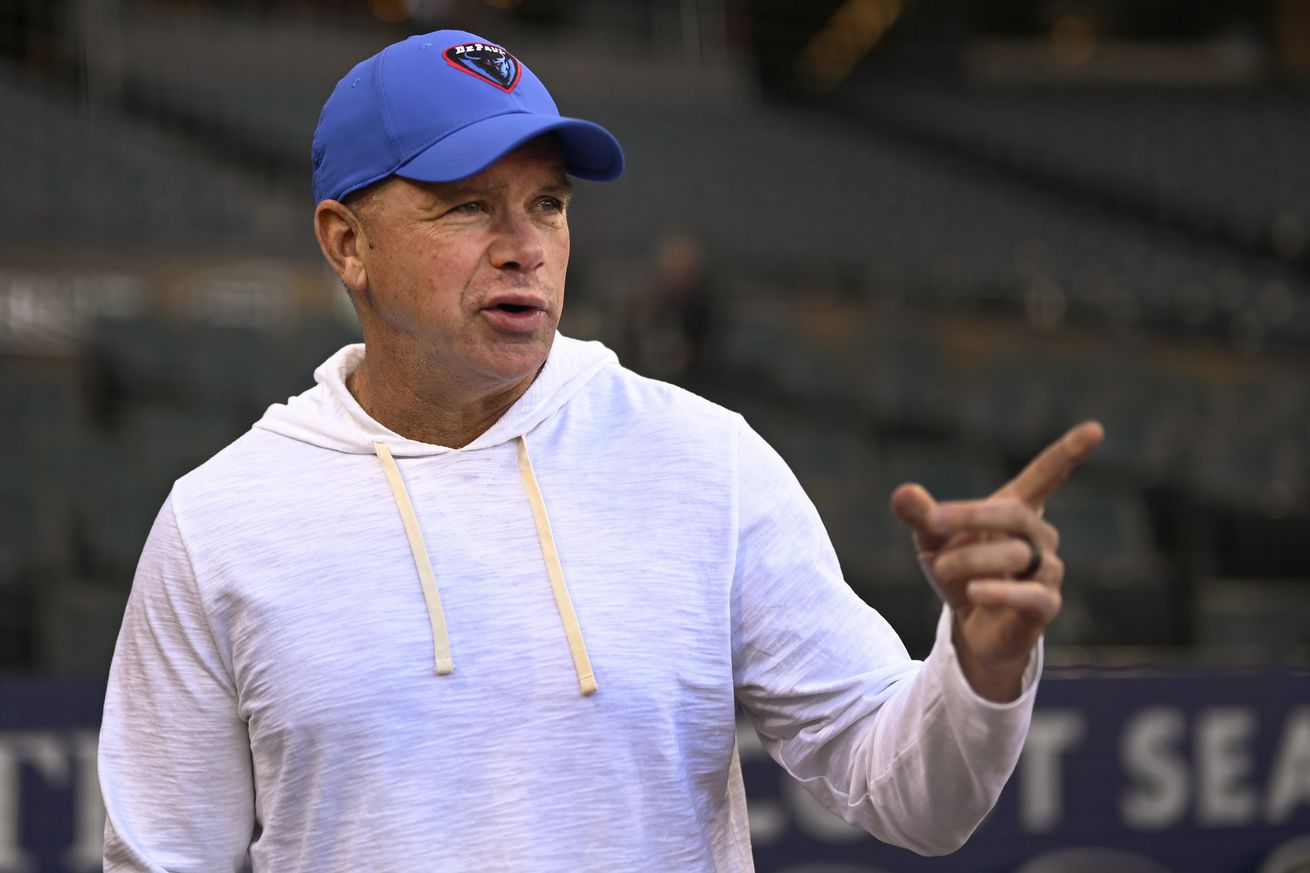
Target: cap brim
590 151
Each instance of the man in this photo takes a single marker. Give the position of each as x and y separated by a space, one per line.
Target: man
484 600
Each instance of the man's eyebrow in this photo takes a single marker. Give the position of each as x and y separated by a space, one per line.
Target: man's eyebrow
562 188
462 189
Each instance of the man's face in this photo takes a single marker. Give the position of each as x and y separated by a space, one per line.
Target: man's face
469 275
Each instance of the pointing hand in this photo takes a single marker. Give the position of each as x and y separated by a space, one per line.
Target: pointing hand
994 562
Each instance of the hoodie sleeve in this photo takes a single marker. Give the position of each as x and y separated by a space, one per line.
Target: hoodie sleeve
902 749
174 759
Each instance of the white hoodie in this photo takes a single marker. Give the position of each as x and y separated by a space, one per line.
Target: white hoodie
535 669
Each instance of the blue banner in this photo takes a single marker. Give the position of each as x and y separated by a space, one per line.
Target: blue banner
1121 774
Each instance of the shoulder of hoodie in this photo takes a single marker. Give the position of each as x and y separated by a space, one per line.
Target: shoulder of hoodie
643 401
247 469
639 411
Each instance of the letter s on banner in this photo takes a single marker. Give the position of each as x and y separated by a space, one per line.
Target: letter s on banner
1158 797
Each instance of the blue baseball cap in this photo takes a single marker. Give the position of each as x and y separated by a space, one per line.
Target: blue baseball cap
440 107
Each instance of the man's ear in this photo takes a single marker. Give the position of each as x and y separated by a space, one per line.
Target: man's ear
342 239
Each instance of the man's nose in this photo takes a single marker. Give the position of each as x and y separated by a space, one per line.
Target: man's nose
517 244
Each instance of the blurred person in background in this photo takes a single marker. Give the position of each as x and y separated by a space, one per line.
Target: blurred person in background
671 324
484 599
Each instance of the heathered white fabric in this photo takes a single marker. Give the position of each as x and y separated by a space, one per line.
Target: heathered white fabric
273 686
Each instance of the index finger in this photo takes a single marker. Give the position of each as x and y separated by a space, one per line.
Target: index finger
1046 473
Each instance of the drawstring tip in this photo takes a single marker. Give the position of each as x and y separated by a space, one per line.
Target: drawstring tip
588 684
443 668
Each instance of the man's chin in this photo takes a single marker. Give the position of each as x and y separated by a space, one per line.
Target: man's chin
514 359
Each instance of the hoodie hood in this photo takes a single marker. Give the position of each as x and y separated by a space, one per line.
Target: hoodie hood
328 416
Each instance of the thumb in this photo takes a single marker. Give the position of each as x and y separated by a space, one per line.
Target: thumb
913 505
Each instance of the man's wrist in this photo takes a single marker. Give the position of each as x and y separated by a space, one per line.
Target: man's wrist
998 682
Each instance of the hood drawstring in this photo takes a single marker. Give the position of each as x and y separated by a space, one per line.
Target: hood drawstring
440 640
578 648
554 570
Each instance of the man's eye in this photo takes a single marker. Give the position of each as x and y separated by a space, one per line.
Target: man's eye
551 204
470 208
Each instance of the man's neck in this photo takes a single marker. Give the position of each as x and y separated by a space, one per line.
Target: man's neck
443 415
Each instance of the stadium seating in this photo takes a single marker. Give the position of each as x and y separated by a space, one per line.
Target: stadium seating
77 176
1227 159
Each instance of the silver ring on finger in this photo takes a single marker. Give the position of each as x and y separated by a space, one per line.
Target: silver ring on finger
1034 561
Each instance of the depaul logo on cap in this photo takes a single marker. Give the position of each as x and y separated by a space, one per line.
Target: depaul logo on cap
490 63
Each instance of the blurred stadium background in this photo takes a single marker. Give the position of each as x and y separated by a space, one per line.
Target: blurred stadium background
908 239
